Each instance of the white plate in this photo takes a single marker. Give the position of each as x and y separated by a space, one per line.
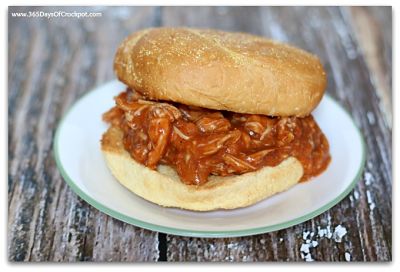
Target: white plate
78 156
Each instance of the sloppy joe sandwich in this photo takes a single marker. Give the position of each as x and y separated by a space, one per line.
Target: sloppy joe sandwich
213 120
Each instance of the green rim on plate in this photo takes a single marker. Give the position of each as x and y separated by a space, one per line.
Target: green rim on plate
197 233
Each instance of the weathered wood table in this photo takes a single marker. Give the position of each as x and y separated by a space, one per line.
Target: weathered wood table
52 62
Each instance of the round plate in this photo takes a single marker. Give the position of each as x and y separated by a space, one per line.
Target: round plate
78 156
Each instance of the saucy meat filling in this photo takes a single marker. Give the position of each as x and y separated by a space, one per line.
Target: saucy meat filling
199 142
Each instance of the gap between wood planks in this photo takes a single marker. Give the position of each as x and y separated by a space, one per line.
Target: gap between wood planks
162 247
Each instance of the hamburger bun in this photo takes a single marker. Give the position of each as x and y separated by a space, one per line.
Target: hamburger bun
163 186
221 70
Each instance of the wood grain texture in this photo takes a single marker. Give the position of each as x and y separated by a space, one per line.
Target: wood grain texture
366 213
53 62
373 28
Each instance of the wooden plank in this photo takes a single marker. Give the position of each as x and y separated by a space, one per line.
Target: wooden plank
372 26
52 63
225 18
366 213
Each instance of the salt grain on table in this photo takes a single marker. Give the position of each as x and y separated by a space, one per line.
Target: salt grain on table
369 178
339 233
347 256
309 243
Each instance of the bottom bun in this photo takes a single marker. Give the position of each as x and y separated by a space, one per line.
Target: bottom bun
164 187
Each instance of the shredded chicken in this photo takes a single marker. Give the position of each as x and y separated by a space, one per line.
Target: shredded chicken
198 142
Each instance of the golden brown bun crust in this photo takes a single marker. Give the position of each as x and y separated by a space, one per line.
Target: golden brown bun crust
221 70
164 187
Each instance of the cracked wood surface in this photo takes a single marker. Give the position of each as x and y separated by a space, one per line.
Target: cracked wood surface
53 62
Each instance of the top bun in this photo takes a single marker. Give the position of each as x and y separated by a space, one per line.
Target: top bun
221 70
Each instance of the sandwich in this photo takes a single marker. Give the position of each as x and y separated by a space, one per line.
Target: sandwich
213 120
